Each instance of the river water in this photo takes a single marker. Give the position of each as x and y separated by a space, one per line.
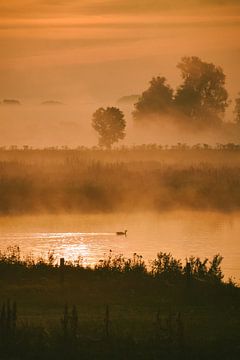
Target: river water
183 234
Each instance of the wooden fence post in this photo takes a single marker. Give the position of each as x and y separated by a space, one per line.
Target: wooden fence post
188 270
62 265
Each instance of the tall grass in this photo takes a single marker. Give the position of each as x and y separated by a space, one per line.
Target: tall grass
120 309
164 267
43 181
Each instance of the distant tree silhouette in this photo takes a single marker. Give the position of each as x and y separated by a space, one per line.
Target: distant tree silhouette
110 125
237 110
11 102
202 97
156 100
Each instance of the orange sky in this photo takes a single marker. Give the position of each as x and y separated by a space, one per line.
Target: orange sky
103 49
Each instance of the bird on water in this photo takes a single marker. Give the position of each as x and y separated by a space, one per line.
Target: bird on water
121 233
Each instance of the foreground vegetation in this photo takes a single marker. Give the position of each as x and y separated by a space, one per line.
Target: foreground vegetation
118 310
141 178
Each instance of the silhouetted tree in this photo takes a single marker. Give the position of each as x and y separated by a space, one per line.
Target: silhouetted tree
155 101
110 125
202 97
237 110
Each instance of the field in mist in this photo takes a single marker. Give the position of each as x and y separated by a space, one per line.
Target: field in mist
69 124
128 179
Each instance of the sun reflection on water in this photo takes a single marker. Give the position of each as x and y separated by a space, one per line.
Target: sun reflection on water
91 247
183 234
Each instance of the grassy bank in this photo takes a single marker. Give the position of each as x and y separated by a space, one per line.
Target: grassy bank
52 181
118 310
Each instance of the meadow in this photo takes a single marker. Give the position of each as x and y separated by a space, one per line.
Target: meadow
149 177
118 309
121 308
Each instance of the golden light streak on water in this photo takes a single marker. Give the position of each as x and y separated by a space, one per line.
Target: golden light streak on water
181 233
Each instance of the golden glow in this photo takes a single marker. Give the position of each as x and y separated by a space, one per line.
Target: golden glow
67 50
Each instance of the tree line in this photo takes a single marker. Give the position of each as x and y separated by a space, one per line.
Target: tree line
200 101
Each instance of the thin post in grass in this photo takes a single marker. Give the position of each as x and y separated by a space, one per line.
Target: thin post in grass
170 325
188 274
8 317
62 266
160 331
14 316
3 323
188 271
158 323
8 321
180 332
74 322
65 322
107 321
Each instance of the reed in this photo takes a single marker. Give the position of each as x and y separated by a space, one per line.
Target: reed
109 311
96 186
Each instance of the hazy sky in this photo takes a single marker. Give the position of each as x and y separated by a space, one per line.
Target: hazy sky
98 50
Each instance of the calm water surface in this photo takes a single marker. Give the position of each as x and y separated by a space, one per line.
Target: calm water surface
92 236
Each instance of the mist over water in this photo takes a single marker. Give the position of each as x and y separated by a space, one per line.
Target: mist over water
87 56
119 179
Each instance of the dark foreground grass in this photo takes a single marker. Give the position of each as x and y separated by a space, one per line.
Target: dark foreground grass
118 310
